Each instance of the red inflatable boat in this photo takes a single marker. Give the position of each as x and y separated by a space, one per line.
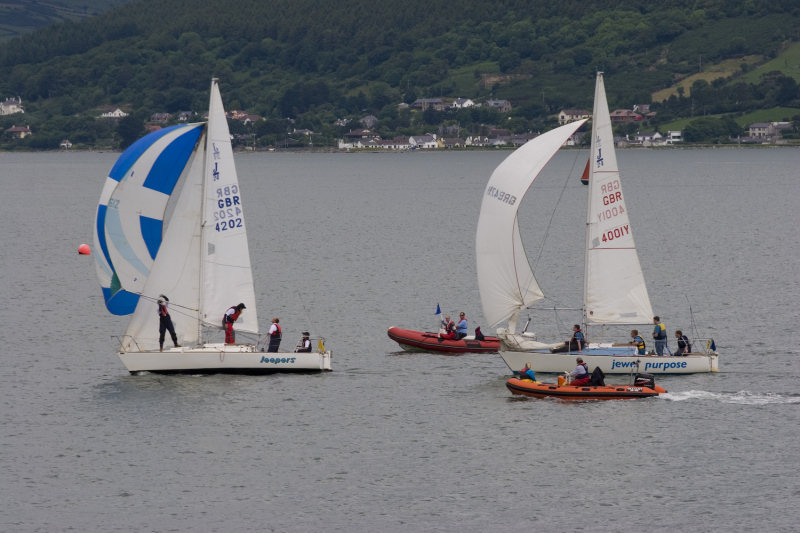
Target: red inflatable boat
424 341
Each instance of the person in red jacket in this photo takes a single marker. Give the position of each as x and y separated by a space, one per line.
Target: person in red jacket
275 335
165 323
227 322
580 376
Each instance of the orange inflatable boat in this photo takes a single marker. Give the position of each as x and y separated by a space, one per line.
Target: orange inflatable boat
643 387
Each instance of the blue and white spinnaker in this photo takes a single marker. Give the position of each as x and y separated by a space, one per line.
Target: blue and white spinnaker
130 215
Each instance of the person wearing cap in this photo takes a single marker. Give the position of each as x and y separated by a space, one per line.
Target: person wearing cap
274 335
165 323
227 322
580 376
305 343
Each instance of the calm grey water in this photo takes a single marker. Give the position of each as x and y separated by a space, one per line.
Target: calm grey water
348 245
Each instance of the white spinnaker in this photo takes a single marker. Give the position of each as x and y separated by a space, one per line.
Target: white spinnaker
227 278
505 279
615 290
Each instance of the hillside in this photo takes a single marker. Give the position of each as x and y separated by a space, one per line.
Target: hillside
300 66
18 17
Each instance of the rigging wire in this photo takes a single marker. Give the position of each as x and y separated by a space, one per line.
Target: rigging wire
538 256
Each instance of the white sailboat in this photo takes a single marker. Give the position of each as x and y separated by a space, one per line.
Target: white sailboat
201 262
614 288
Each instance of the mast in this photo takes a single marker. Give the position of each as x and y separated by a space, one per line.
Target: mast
203 219
592 180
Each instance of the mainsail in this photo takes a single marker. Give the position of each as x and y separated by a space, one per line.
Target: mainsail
614 286
505 279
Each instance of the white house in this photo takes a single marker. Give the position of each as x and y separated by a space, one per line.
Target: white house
427 141
673 137
114 113
648 138
461 103
571 115
19 132
11 106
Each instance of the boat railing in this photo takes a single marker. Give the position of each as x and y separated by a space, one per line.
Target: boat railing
126 346
705 346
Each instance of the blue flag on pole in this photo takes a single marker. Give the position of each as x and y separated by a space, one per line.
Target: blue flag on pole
438 311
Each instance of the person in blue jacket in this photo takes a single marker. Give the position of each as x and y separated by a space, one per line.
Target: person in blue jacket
659 336
461 327
527 373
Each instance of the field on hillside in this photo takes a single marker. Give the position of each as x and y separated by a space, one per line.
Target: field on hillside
720 70
787 62
775 114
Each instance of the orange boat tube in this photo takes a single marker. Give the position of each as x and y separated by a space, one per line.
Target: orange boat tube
537 389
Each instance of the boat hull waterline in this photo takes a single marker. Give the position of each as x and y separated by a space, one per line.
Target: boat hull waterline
424 341
536 389
557 363
229 358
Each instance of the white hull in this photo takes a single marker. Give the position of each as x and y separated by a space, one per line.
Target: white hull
545 362
235 358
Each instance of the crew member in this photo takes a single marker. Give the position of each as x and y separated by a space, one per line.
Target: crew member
165 323
231 315
274 335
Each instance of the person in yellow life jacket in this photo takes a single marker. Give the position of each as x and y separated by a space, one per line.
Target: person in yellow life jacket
637 341
274 335
659 336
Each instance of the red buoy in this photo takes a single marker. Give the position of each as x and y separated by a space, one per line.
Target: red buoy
84 249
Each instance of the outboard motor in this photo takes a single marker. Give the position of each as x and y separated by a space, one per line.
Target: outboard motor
644 380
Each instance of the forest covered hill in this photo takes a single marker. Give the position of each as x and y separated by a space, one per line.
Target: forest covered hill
18 17
301 65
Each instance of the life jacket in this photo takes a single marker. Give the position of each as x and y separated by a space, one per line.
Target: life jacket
662 331
585 369
226 318
277 332
162 310
639 342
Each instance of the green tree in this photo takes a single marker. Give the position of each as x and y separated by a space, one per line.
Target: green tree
130 129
